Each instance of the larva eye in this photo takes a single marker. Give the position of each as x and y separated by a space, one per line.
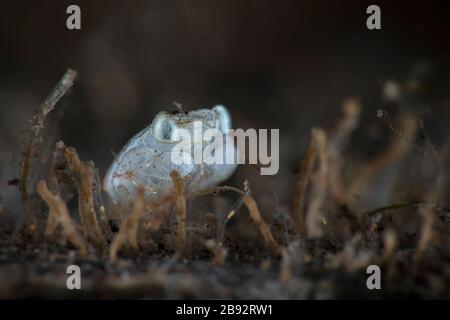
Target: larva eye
163 126
223 118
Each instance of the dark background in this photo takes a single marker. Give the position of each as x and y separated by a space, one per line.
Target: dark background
274 64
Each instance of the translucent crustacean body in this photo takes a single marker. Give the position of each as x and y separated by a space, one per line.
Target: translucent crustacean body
146 159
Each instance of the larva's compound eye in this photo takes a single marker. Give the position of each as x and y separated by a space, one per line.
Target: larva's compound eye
163 127
223 118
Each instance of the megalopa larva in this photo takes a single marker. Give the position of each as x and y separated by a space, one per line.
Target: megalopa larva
146 160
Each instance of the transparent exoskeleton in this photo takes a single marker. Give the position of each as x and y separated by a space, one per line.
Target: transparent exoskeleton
147 159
